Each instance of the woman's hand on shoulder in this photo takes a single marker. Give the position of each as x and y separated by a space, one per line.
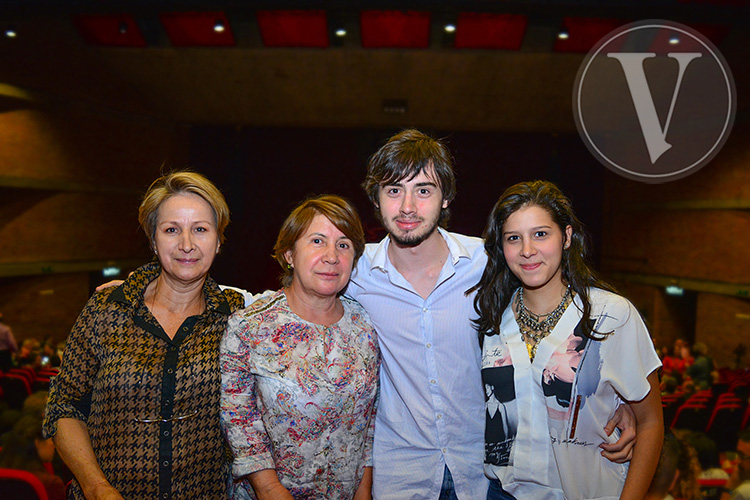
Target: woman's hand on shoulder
109 284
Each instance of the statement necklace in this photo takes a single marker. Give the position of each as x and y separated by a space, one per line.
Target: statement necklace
533 327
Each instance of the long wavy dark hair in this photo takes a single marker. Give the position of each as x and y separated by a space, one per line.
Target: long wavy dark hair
498 283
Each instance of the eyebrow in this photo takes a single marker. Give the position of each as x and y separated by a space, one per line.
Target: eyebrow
192 223
535 228
419 184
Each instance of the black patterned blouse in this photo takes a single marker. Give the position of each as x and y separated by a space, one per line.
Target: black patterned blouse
154 409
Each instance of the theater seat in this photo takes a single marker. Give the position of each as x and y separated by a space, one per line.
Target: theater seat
21 485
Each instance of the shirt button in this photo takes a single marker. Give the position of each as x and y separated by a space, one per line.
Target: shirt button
165 495
439 416
166 433
424 309
428 345
169 370
433 381
444 450
165 463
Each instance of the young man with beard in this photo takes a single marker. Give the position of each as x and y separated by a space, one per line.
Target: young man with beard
429 429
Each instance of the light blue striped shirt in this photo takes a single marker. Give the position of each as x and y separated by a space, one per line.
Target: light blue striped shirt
431 410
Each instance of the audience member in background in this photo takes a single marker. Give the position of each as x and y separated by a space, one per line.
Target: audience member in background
674 365
738 486
147 353
711 472
668 385
702 369
676 476
35 404
26 449
687 486
8 346
687 389
666 473
50 357
29 354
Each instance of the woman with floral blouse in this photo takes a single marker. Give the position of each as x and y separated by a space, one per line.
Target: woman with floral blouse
300 368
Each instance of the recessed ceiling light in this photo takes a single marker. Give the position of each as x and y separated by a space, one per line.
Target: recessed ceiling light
340 32
674 40
563 35
219 26
10 33
450 28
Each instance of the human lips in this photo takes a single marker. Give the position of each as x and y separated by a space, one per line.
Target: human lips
531 267
329 275
187 261
408 224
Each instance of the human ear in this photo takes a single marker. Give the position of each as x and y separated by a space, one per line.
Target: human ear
568 235
289 258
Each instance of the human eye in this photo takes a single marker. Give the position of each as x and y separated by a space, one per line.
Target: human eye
170 229
345 245
392 190
317 240
511 237
540 234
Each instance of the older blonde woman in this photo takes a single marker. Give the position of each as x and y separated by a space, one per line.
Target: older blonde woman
300 368
146 353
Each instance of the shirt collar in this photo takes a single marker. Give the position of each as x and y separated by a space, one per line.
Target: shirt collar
456 249
132 290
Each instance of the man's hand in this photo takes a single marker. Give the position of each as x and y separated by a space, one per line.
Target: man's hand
620 451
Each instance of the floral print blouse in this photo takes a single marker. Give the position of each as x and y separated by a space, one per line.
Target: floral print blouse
299 398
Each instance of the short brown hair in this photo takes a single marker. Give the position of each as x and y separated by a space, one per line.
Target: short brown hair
181 182
404 156
339 211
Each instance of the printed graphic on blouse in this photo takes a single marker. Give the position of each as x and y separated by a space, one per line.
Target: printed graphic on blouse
502 416
564 372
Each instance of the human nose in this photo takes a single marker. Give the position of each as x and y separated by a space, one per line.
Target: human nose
186 242
407 203
527 248
331 255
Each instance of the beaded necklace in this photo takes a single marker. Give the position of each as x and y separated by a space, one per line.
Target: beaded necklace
533 327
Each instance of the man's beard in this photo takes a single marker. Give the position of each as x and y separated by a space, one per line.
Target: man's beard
411 239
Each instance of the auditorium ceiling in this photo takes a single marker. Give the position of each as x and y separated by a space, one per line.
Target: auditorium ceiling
286 64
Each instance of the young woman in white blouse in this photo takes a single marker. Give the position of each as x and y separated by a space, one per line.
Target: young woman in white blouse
561 351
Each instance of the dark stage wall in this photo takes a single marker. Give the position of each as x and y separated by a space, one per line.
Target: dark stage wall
265 172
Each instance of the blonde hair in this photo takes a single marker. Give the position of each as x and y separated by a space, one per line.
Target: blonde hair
181 182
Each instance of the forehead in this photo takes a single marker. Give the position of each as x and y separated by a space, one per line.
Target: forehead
424 175
320 224
529 215
185 205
